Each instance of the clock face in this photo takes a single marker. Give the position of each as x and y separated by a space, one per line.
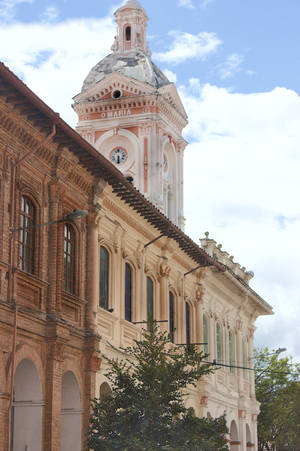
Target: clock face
118 155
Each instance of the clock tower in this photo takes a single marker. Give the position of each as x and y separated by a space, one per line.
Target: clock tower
130 112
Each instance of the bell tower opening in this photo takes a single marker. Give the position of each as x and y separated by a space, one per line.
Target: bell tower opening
128 33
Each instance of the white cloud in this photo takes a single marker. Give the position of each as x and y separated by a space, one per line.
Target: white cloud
8 8
187 46
244 160
170 75
186 3
50 13
55 64
231 66
191 5
205 3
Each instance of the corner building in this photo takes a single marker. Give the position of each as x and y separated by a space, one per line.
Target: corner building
73 290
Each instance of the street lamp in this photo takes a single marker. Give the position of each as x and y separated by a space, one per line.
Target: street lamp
277 352
76 214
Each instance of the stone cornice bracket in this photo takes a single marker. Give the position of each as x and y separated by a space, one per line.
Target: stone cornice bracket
164 270
200 291
96 213
99 190
201 275
93 361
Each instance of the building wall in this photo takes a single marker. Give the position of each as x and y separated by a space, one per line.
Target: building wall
58 342
52 351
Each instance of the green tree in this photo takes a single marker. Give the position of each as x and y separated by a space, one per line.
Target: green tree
145 410
278 391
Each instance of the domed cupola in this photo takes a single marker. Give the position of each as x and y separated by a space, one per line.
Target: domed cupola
131 55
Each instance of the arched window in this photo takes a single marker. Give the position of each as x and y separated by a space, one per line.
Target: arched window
205 334
105 391
128 33
27 237
230 345
188 323
150 312
69 258
219 342
104 278
128 292
171 316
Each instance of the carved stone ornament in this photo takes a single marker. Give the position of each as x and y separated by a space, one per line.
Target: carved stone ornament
94 362
164 270
57 351
200 293
242 414
204 400
96 214
239 324
98 190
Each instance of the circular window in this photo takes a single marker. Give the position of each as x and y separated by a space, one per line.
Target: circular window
118 156
116 94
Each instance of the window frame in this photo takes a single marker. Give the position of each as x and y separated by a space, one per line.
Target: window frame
69 283
219 343
172 315
205 335
150 305
188 318
231 351
108 275
128 300
27 219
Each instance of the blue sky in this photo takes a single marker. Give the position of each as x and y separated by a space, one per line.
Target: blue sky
236 66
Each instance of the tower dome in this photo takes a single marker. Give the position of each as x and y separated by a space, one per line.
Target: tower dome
135 4
130 52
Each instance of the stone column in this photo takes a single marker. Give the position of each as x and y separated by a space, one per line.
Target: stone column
53 389
164 296
239 344
242 430
52 252
199 326
4 403
92 270
251 365
92 366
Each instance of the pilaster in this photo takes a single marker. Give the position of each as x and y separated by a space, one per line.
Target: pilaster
4 403
164 272
53 390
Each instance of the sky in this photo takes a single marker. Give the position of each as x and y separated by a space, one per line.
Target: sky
236 64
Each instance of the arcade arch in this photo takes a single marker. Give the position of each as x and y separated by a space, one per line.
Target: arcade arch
27 408
70 413
234 437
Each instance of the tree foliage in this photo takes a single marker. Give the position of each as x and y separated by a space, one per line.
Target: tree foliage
278 391
145 410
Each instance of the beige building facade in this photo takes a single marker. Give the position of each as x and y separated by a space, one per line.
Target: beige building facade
130 112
